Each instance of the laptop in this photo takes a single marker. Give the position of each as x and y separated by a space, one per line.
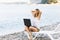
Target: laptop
27 22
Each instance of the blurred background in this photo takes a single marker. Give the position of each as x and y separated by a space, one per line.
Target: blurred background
45 1
31 1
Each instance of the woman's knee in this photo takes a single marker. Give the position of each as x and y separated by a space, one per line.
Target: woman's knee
34 29
31 28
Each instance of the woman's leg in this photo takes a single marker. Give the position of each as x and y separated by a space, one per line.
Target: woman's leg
27 29
33 29
29 32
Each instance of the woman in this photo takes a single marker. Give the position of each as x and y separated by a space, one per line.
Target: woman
35 22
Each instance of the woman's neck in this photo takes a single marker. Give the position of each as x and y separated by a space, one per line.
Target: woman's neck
38 17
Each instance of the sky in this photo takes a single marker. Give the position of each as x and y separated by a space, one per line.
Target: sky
11 16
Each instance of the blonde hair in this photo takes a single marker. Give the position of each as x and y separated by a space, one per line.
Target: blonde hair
39 12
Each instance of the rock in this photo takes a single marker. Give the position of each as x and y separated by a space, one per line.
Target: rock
23 36
20 36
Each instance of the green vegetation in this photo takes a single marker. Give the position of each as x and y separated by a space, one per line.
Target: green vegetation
52 1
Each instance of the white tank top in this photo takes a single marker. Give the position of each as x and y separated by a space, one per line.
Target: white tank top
35 22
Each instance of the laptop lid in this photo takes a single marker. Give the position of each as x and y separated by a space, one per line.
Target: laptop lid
27 22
